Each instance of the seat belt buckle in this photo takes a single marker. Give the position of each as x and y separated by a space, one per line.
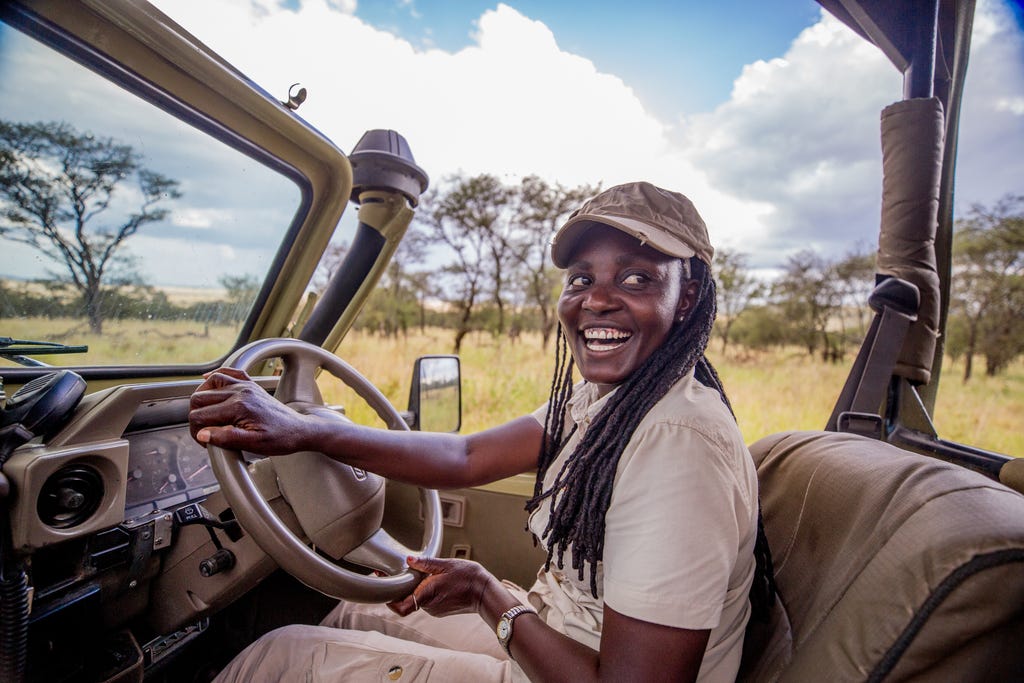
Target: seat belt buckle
863 424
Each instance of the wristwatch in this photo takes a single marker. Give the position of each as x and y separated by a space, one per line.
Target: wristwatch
504 628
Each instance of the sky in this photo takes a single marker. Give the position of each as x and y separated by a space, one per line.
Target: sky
677 36
766 114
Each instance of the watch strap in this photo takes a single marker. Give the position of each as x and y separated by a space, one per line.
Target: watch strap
504 627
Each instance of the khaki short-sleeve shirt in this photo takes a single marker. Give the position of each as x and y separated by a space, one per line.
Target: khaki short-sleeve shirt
679 531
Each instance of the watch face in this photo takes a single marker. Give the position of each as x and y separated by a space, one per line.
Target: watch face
503 628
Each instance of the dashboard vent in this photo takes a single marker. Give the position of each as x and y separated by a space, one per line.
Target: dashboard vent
70 496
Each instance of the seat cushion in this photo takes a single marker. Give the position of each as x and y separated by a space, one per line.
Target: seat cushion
888 564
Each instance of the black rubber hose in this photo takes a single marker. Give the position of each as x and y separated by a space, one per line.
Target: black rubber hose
13 627
13 608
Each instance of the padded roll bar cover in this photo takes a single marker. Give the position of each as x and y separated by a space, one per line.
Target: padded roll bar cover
912 144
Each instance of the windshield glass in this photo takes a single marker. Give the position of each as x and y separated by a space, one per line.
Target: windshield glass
123 228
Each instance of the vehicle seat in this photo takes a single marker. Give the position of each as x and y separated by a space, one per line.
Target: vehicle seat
888 565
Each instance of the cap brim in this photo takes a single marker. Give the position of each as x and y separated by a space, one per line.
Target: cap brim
570 234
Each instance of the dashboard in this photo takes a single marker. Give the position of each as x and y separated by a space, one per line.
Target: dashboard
125 457
119 521
166 468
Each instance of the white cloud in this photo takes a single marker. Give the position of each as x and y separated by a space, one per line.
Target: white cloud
1014 105
800 133
491 107
990 156
199 218
794 151
348 6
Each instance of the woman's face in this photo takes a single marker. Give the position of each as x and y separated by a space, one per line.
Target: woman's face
619 303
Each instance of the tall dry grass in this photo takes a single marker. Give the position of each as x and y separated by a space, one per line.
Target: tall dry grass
770 391
129 342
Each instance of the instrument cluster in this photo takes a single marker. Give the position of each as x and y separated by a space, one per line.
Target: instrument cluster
166 468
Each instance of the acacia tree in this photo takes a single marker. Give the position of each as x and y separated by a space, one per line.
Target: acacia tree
421 284
540 209
854 280
241 292
498 236
401 297
807 294
463 217
58 190
736 286
988 289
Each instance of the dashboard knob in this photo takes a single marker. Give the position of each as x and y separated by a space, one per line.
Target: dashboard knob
70 499
220 561
70 496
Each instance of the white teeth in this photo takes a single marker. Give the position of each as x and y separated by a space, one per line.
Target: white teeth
605 338
605 333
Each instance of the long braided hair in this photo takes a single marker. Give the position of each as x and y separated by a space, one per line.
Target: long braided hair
582 489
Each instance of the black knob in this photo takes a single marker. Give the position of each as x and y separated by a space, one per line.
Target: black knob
220 561
70 499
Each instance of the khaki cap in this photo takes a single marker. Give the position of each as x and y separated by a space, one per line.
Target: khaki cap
664 220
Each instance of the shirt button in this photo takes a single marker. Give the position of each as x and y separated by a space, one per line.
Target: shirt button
394 673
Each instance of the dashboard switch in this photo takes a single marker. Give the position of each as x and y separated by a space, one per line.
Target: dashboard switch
194 513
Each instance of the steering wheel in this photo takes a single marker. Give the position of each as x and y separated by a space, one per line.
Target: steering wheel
338 507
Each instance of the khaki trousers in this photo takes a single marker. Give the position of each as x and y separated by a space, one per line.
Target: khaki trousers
358 642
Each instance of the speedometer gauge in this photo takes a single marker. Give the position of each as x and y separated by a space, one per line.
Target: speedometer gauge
194 465
166 467
152 471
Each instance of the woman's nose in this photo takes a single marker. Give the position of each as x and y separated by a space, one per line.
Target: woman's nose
600 298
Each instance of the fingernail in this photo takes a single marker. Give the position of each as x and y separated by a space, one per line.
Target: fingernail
203 436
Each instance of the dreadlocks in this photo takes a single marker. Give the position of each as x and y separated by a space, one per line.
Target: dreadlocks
582 489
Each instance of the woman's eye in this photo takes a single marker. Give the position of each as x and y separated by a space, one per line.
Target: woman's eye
635 279
577 281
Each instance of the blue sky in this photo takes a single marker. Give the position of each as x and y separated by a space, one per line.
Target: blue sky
678 38
765 113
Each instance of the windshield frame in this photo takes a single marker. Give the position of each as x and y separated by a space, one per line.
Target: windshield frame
314 218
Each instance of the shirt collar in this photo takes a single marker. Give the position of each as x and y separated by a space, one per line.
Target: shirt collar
585 403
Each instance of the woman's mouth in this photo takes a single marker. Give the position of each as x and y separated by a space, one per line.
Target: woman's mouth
604 338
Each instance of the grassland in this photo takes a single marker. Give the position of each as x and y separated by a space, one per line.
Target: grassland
129 342
770 391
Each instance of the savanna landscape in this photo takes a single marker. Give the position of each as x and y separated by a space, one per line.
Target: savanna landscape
771 390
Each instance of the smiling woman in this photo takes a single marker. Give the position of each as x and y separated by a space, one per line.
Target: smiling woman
646 439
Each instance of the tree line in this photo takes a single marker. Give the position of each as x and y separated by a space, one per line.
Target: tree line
496 278
491 238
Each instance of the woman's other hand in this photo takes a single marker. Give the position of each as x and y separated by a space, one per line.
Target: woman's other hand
232 411
450 587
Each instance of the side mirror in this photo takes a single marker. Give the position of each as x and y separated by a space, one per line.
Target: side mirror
435 397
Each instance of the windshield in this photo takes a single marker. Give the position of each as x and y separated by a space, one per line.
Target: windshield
122 228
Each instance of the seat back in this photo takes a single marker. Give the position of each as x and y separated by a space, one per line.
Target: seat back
889 565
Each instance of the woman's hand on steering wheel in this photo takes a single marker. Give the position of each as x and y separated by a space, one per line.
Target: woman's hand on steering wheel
231 411
451 586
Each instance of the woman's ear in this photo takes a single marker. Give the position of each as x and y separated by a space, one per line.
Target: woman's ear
687 299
